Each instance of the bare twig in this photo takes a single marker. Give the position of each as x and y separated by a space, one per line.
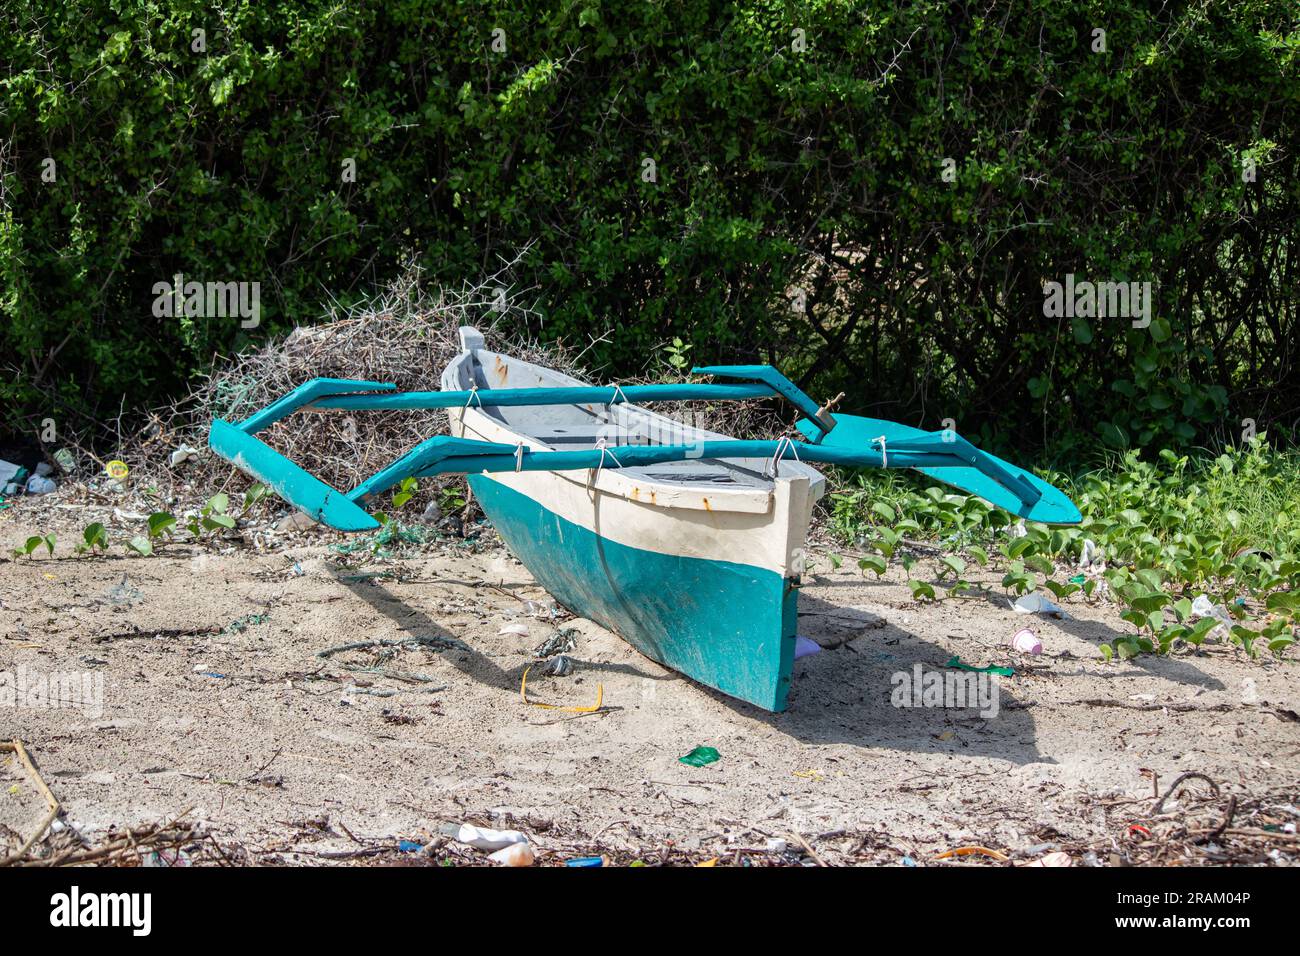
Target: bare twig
1190 775
15 746
794 835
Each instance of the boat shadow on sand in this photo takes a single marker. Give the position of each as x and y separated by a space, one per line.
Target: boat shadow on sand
472 662
847 693
1162 666
840 695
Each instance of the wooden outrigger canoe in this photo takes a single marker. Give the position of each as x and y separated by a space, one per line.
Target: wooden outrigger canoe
694 562
686 543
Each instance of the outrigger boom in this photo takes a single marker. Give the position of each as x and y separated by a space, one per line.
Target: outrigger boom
839 440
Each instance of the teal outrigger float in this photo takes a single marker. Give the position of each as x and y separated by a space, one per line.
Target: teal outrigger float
687 543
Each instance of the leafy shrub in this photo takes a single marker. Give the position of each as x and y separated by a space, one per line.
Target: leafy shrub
799 156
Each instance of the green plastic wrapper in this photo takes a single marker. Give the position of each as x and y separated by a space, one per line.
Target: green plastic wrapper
956 662
700 756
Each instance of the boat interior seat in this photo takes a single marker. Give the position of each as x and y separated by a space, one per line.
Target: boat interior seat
574 427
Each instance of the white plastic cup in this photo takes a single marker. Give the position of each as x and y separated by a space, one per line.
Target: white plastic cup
1027 642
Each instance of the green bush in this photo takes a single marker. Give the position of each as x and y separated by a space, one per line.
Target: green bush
1158 535
795 147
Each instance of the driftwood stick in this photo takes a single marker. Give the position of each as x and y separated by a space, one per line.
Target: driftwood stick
16 746
1227 822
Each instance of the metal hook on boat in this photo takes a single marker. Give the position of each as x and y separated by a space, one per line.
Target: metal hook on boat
782 443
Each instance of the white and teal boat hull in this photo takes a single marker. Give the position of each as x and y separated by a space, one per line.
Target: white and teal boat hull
695 564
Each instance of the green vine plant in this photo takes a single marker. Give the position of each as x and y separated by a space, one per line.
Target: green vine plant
1155 536
212 518
389 526
34 542
677 355
94 539
451 498
160 527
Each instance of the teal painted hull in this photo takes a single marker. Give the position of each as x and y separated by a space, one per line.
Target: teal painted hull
730 626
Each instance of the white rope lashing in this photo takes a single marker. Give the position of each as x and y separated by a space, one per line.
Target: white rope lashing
473 397
604 450
884 452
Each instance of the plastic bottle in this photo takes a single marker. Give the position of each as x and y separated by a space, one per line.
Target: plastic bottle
40 485
65 460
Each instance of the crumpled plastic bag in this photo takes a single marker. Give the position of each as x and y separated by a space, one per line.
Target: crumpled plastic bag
1035 603
1202 606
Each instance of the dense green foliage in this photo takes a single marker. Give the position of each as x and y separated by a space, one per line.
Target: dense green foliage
795 146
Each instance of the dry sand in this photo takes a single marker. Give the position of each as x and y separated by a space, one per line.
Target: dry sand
215 700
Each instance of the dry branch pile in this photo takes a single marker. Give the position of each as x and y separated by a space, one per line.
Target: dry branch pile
406 335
